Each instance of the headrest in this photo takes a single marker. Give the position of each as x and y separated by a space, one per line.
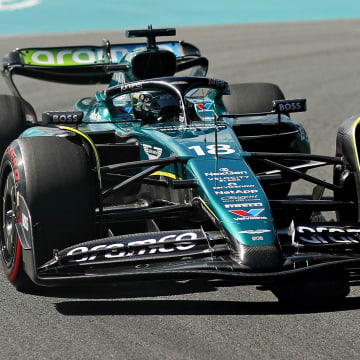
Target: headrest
153 64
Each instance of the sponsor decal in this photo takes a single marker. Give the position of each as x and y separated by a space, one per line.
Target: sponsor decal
83 55
254 232
206 106
290 106
245 218
205 111
140 247
63 57
294 105
227 206
330 229
217 82
152 152
62 117
229 178
125 87
223 173
235 192
239 198
257 238
249 213
327 234
124 109
234 187
12 155
189 127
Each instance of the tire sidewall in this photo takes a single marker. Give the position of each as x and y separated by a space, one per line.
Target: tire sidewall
15 269
54 177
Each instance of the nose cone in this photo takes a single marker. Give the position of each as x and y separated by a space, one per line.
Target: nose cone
233 196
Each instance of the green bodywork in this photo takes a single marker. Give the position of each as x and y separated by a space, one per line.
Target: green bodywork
227 186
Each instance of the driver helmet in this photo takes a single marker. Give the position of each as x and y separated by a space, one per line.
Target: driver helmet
157 107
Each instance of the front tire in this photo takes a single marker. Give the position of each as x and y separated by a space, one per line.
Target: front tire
54 177
10 246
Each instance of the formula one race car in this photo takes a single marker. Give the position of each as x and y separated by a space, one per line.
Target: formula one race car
169 177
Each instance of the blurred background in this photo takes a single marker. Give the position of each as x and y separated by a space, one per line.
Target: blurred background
19 17
309 48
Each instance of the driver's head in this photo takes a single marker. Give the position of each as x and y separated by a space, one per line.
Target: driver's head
156 107
145 101
145 108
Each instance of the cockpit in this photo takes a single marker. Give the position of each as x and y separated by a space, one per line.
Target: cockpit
151 106
183 100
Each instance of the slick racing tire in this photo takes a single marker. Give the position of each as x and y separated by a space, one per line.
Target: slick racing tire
11 257
256 98
252 97
53 175
12 120
319 289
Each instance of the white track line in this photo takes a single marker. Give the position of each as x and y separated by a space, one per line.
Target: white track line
17 4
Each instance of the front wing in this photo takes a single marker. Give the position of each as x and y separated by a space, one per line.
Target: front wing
180 255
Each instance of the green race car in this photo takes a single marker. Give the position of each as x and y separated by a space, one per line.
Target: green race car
169 177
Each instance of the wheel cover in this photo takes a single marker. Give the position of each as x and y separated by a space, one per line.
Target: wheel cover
8 238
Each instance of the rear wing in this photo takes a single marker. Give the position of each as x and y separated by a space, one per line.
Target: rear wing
91 64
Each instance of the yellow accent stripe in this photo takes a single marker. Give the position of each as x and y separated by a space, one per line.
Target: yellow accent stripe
164 173
354 140
97 159
211 212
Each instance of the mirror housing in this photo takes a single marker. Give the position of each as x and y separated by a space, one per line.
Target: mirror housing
62 117
289 106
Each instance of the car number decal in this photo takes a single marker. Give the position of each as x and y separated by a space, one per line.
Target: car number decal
222 149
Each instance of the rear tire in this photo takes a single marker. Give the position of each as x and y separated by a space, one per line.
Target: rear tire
12 120
256 98
54 176
252 97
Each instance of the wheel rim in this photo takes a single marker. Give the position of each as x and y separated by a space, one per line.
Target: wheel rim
8 238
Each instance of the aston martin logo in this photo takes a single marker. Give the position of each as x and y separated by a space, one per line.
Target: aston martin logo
152 152
254 232
250 213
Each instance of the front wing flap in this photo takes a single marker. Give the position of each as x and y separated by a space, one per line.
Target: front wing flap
177 255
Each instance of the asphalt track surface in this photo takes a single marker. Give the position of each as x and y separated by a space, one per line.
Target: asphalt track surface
197 320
